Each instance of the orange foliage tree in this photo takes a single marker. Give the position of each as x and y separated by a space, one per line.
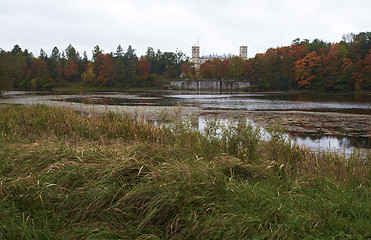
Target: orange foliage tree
306 69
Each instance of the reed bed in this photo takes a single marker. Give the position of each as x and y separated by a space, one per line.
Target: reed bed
72 175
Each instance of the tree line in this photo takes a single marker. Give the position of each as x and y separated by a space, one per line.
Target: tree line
315 65
19 69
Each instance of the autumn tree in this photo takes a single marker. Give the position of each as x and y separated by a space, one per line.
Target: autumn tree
215 68
225 67
248 71
89 76
103 70
336 68
304 64
143 71
70 71
306 70
187 71
205 70
39 75
13 68
292 54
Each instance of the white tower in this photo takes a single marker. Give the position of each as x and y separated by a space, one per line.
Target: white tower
243 52
196 56
195 52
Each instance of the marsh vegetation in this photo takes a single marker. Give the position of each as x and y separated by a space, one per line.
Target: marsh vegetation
68 175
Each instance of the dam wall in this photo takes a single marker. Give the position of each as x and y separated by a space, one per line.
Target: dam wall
209 85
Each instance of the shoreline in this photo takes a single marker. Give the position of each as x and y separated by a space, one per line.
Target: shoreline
328 123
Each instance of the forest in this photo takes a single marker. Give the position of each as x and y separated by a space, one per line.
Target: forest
309 65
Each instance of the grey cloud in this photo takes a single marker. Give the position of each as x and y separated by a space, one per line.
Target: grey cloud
170 24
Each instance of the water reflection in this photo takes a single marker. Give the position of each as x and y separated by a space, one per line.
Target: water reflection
337 143
315 142
313 102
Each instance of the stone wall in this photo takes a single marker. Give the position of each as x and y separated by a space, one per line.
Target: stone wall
209 85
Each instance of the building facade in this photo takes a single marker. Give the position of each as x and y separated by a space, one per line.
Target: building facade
197 60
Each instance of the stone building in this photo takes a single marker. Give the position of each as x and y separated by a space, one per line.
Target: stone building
197 60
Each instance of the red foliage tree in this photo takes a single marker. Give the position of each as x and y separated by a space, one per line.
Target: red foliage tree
103 68
143 69
37 68
70 70
39 75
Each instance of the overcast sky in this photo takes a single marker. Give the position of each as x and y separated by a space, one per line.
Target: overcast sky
220 25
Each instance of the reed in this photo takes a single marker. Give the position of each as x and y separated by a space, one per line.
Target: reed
73 175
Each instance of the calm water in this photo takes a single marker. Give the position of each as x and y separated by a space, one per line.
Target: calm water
321 102
345 103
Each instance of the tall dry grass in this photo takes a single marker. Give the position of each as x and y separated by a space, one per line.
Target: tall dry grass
70 175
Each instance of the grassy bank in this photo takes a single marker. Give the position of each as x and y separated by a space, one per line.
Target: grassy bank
67 175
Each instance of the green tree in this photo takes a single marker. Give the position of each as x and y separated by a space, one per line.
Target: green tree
236 68
72 54
16 49
130 61
43 55
97 51
119 51
55 56
5 71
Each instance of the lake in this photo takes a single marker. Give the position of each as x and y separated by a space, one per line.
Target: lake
320 121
